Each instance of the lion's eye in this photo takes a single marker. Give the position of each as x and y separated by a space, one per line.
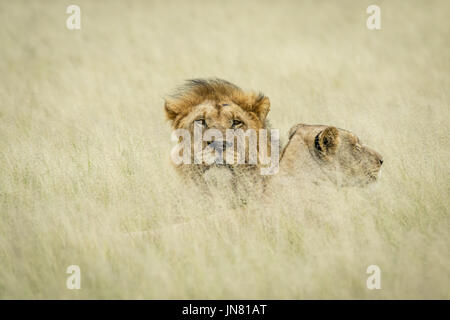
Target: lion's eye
201 122
236 123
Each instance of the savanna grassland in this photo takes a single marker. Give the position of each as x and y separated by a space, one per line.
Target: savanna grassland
86 178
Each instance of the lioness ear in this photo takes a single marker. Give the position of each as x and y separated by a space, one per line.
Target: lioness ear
261 107
327 140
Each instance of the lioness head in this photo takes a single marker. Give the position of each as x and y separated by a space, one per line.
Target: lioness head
316 151
213 108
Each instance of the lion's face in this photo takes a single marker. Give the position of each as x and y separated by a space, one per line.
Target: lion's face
214 112
338 153
219 122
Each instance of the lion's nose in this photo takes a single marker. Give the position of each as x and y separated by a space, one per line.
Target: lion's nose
381 161
219 145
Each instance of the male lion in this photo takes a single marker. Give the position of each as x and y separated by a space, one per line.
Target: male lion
317 153
204 104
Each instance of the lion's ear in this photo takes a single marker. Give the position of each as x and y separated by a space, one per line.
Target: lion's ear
261 107
171 109
327 141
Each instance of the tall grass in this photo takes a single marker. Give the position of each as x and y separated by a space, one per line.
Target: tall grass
84 150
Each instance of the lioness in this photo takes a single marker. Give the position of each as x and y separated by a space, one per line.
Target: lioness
317 153
203 104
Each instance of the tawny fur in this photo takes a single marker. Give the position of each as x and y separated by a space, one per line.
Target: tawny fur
316 153
219 103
